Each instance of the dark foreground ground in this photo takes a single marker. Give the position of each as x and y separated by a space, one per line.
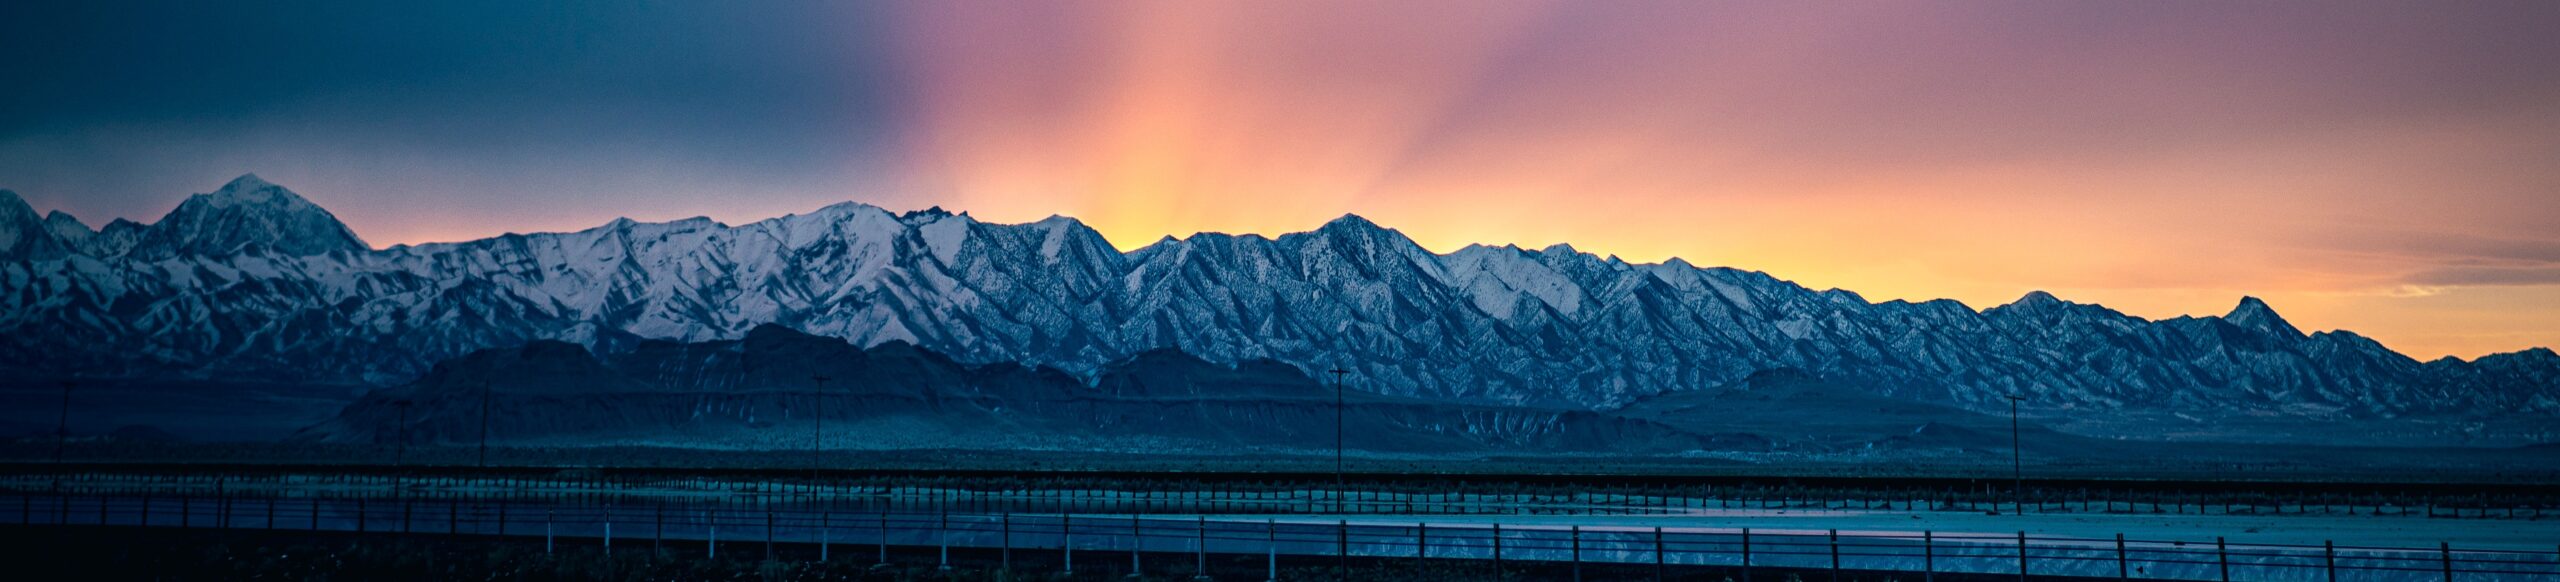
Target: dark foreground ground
122 553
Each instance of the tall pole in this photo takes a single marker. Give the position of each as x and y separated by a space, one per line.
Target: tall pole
400 451
2017 464
818 434
62 425
485 391
1339 483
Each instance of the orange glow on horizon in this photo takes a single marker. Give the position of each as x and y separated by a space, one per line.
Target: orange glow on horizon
1904 151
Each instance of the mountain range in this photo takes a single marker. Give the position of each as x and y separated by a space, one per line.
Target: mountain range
253 281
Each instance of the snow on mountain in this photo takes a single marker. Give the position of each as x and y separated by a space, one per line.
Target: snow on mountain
254 281
24 236
68 230
247 215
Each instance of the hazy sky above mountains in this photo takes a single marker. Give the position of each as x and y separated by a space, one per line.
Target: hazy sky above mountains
2387 167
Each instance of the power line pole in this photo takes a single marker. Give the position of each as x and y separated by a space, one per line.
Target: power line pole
818 434
2017 466
62 425
400 451
1340 484
485 391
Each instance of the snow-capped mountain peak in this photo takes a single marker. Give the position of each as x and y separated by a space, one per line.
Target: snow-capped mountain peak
2254 314
23 235
253 281
247 215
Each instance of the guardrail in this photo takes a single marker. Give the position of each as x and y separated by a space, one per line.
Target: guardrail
1092 540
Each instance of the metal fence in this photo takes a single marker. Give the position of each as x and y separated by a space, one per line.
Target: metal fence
1085 495
1070 541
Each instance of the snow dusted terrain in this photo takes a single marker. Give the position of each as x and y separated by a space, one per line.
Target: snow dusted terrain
253 281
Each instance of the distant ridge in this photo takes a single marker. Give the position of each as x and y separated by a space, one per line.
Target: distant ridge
254 281
732 394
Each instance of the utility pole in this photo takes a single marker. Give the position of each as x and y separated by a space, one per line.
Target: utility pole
2017 464
400 451
485 391
818 434
1339 483
62 425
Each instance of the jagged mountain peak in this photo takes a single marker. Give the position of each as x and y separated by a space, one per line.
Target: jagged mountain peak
932 215
247 215
1351 221
247 180
58 216
1487 323
68 229
24 236
252 188
2036 304
2254 314
13 207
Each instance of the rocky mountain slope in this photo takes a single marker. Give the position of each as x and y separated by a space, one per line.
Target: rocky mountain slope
253 281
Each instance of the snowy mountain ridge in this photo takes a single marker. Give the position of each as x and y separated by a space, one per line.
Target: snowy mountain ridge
253 280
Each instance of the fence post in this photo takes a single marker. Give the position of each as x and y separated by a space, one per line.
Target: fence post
360 527
608 538
658 532
1007 541
942 537
1342 547
1746 554
2446 550
768 535
1203 566
1497 550
1658 560
1835 555
1577 553
2329 554
826 531
1137 539
884 540
714 542
1421 544
2022 557
1271 562
2222 556
1067 540
546 532
1928 556
2121 566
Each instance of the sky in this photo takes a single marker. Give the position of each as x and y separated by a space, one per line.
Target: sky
2391 168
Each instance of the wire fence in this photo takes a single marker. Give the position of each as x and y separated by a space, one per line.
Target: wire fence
1089 495
1071 540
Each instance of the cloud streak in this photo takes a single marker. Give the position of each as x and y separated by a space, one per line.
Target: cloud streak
2162 157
